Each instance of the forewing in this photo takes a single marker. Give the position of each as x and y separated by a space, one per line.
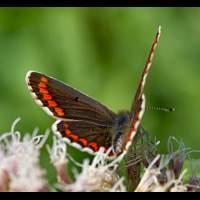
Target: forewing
62 101
138 106
140 88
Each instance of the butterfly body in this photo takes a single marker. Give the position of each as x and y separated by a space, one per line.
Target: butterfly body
84 122
120 129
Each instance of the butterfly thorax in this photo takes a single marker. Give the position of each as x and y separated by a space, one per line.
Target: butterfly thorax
120 131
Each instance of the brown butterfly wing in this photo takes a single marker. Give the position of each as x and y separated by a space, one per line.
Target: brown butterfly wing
83 135
138 106
62 101
140 89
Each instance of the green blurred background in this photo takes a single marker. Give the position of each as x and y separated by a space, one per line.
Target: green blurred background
102 51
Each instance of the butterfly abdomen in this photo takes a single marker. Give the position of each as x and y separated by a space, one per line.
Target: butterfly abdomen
120 131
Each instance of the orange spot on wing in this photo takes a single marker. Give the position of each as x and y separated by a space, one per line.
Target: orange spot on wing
47 97
42 85
83 141
68 132
94 146
129 135
146 69
125 150
59 112
66 125
43 91
52 104
133 129
44 79
74 137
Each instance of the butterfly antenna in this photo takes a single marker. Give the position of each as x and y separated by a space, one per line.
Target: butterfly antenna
160 109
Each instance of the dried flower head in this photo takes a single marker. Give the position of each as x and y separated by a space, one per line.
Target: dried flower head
150 181
99 176
19 166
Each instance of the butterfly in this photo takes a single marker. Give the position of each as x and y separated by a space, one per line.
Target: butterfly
82 121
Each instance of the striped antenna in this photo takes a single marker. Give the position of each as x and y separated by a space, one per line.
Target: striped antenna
160 109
